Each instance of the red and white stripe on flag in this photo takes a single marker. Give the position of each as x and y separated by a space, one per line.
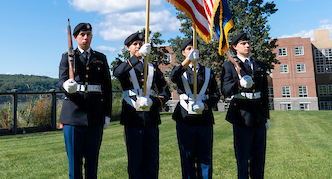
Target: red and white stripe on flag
201 13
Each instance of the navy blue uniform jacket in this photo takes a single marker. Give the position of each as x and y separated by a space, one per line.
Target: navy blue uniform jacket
246 112
129 116
212 92
86 109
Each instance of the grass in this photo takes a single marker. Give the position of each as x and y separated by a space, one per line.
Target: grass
298 146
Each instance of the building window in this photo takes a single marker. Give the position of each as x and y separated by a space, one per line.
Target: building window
167 58
282 51
286 107
329 87
167 73
319 59
300 68
270 91
304 106
328 60
322 90
283 68
299 50
285 91
323 60
324 105
303 91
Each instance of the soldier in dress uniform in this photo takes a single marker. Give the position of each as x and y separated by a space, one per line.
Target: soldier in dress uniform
248 110
194 120
86 105
140 114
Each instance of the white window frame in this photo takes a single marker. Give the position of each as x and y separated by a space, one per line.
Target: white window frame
324 105
282 52
305 106
284 92
167 73
303 91
299 50
319 61
329 90
270 91
286 106
322 90
300 68
284 68
168 58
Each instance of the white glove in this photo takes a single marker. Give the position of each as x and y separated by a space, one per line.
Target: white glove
194 55
107 122
70 86
198 107
246 81
267 125
145 102
145 49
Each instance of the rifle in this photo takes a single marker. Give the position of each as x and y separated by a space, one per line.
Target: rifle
70 53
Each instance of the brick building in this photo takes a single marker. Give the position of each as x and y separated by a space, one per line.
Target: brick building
302 80
294 86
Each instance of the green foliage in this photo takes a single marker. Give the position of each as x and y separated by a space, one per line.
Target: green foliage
157 51
5 115
26 83
251 16
41 113
116 105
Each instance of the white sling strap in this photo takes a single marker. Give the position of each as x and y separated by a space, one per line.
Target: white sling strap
189 96
137 91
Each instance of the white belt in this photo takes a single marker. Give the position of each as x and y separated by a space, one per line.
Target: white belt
244 95
89 88
190 97
191 101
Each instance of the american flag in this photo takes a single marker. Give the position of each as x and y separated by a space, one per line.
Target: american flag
206 14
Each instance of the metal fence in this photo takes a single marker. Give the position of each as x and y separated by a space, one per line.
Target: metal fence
14 100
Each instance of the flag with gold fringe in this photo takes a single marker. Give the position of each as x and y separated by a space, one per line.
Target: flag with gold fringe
206 14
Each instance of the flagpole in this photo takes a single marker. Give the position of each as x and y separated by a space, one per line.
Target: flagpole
237 66
146 41
195 64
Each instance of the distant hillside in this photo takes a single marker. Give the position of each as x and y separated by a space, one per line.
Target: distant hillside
27 83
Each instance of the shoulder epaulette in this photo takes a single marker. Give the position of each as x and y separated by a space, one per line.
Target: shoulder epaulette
95 51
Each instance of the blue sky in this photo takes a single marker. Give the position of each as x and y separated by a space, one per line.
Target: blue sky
34 32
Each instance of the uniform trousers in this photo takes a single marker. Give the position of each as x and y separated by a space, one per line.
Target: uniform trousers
195 145
82 142
250 147
142 151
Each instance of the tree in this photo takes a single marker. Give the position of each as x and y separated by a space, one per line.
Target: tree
248 16
251 16
157 55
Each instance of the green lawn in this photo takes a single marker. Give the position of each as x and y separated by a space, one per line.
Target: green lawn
299 145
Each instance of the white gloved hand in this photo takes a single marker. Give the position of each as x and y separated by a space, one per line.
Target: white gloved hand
246 81
198 107
70 86
194 55
107 122
145 102
145 49
267 125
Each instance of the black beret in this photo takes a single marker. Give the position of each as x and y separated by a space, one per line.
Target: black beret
187 43
133 37
82 27
240 37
